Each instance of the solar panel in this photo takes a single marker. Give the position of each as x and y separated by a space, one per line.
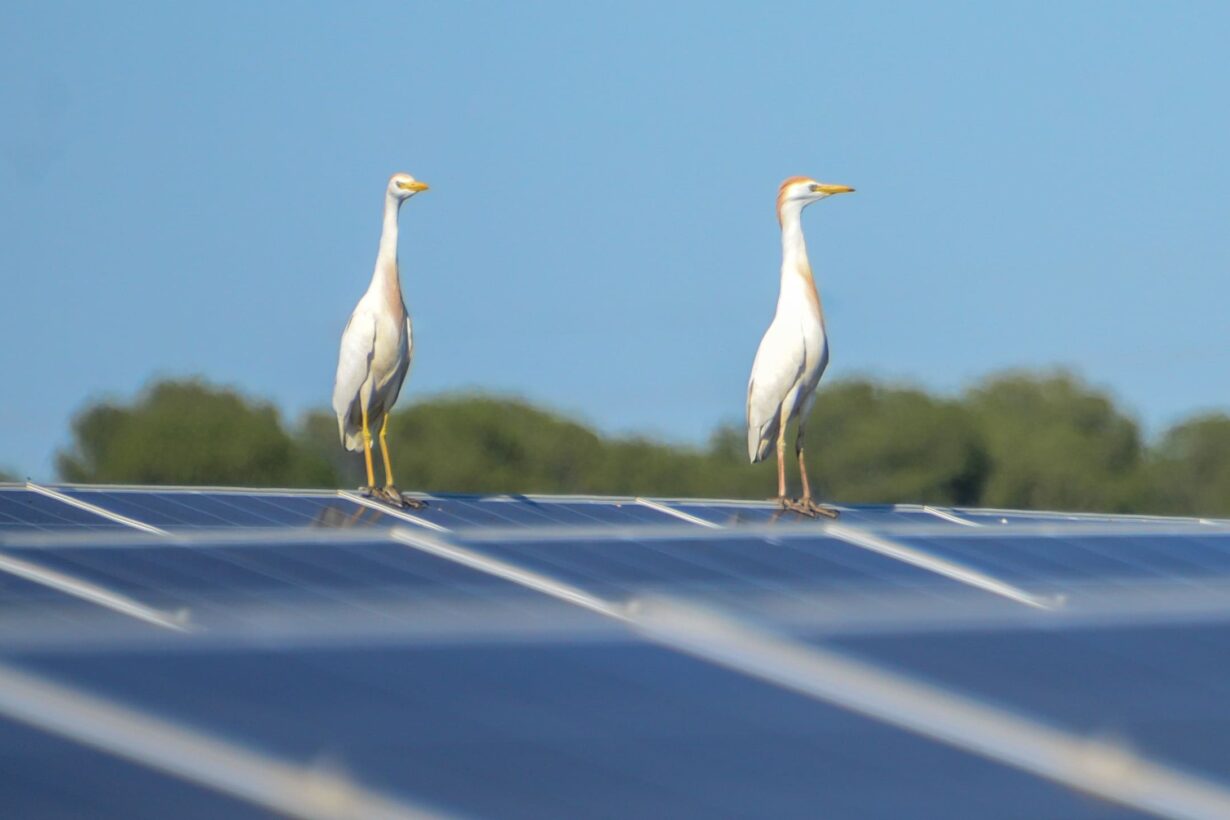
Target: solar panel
556 657
724 566
562 731
1028 517
457 512
24 510
1160 687
730 514
185 509
45 776
205 583
190 509
1060 560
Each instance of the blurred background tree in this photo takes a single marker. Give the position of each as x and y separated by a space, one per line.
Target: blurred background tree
189 432
1021 440
1055 443
877 444
1190 467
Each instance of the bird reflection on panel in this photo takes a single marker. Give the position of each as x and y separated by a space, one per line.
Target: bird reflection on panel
794 350
375 353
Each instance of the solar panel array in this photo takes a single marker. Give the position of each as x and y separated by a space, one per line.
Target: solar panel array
236 653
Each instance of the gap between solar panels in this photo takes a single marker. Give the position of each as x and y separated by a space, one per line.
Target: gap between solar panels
1096 767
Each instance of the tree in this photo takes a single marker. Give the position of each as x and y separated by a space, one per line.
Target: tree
480 444
1190 467
1055 443
1022 440
189 432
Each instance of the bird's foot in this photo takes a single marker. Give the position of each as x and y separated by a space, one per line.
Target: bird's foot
394 496
807 507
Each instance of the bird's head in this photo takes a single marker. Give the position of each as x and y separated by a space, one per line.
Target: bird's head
403 186
799 192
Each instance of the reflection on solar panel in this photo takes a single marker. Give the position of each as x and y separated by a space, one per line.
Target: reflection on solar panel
235 653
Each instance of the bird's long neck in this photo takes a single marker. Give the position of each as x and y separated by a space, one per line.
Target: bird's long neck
798 287
385 278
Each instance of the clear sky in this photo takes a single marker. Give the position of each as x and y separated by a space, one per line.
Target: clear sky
196 189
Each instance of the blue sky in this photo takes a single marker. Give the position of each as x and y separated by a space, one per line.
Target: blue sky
196 189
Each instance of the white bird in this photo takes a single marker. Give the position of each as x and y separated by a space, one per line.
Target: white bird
376 348
794 351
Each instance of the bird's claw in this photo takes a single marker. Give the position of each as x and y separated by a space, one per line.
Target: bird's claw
807 507
395 497
392 496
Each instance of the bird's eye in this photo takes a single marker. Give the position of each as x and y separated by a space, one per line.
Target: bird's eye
814 188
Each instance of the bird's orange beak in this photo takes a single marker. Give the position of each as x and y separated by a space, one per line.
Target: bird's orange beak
826 188
415 186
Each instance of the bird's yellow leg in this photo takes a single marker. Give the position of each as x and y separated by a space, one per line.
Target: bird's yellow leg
391 493
367 452
384 451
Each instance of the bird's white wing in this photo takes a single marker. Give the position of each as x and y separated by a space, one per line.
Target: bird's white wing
392 389
775 372
353 367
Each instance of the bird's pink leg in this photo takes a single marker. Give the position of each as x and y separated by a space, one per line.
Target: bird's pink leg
807 506
781 466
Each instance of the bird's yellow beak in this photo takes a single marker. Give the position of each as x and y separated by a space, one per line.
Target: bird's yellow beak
826 188
415 186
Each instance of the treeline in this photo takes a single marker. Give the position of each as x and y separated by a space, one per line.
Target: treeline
1020 440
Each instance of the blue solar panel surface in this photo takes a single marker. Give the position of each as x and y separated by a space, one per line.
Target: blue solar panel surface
218 509
1164 686
490 656
45 776
457 512
1060 560
187 509
23 510
727 566
617 730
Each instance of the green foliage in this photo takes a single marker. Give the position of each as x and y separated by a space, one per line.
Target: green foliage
879 444
188 432
1021 440
1054 443
482 444
7 477
1191 467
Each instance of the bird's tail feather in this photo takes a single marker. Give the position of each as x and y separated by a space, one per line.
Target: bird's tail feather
350 434
759 441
